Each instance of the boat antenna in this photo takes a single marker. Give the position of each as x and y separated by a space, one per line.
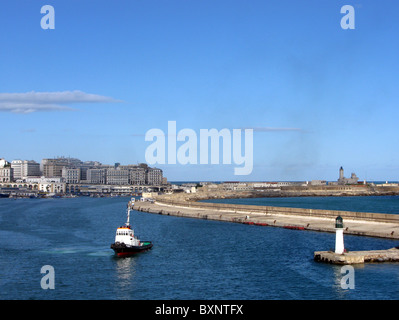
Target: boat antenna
128 216
130 206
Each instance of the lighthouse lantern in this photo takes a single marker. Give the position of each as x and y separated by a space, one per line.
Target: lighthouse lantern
339 223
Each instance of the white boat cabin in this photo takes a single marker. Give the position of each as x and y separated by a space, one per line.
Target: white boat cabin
126 235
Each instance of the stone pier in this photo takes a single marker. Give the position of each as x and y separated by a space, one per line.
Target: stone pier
356 223
390 255
362 224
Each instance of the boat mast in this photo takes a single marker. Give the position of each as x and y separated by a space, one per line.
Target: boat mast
130 206
128 216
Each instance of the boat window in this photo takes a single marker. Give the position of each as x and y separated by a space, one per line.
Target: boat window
122 233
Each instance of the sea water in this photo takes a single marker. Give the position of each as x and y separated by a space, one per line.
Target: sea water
191 258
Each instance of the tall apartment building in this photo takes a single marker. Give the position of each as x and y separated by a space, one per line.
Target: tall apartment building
154 176
16 165
85 166
25 168
30 168
96 176
137 176
142 174
118 176
76 171
53 167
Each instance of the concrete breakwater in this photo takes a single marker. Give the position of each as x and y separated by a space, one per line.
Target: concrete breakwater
269 210
390 255
356 223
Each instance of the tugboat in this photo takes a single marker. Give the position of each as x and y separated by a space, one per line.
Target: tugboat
126 243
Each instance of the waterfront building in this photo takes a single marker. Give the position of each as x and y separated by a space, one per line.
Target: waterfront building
137 175
265 185
236 186
71 175
3 163
16 165
6 174
118 176
75 172
85 166
96 176
53 167
154 176
318 183
52 187
25 168
342 180
30 168
44 180
124 175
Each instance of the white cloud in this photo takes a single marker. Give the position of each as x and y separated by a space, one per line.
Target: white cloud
47 101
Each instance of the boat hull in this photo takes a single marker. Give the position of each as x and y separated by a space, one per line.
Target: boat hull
122 250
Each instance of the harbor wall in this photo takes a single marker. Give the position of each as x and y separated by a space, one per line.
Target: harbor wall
209 192
268 210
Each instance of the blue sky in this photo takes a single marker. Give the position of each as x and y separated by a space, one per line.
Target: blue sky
205 64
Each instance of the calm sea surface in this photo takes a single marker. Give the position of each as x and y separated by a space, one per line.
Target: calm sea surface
191 259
